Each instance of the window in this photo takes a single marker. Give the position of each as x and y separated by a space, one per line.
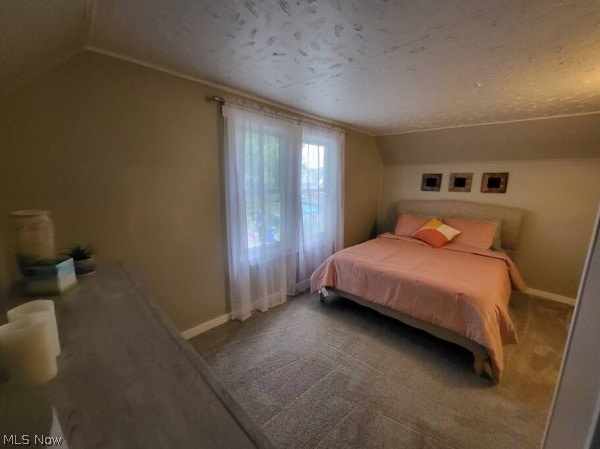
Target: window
283 195
312 190
262 186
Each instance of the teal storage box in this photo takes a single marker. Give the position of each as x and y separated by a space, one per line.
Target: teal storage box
51 277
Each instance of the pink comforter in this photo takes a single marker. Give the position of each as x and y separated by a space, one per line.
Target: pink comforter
457 287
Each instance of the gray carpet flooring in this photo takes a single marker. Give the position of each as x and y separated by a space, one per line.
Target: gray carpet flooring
338 375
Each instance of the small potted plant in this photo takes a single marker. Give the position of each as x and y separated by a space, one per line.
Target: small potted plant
83 257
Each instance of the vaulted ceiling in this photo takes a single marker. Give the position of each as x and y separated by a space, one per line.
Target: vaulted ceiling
385 66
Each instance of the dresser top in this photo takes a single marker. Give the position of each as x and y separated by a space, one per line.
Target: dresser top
127 379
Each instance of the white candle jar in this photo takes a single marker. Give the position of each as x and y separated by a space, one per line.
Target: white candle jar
26 353
39 305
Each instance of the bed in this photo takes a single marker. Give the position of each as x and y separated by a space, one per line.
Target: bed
458 293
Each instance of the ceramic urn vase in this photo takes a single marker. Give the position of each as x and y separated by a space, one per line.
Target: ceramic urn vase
34 234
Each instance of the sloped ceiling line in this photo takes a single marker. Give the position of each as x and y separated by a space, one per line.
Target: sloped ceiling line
88 22
38 35
221 87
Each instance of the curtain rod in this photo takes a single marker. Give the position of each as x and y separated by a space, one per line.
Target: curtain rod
221 100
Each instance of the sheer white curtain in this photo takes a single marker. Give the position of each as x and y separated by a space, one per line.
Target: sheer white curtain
321 224
283 205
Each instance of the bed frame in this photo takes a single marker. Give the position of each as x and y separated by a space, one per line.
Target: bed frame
481 361
511 220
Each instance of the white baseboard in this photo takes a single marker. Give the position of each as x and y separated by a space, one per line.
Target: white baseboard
200 328
551 296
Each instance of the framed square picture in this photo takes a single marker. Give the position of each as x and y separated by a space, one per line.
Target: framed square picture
460 182
431 182
494 182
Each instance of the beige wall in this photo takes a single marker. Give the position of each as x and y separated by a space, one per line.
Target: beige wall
575 414
567 137
362 180
560 198
127 158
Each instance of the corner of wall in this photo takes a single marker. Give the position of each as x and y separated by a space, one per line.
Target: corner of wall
40 71
380 193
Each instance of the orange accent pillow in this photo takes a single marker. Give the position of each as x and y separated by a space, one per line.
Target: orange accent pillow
479 234
435 233
409 223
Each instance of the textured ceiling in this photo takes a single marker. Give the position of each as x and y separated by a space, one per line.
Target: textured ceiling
381 65
36 33
385 66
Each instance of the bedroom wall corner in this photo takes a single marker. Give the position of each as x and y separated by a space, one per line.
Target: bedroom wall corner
575 411
362 179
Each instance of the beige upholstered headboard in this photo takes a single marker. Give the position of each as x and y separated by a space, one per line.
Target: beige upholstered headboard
510 217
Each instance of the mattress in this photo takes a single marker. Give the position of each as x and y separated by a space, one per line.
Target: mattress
456 287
